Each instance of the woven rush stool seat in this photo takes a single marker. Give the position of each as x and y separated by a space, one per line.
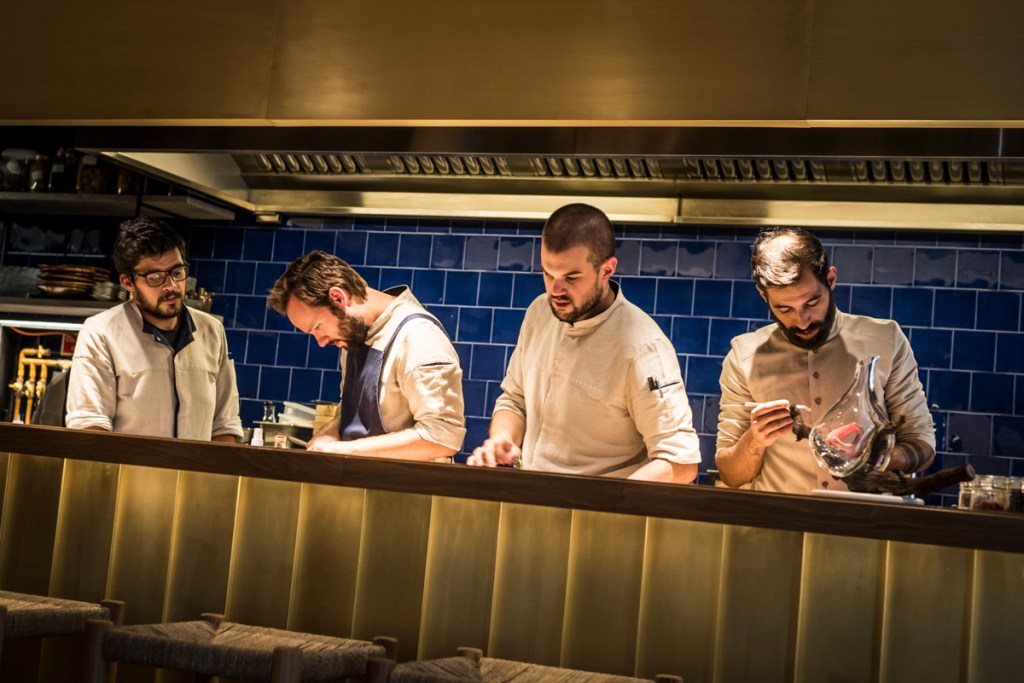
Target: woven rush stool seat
471 665
23 615
213 647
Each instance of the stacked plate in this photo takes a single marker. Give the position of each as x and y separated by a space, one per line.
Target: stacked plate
70 282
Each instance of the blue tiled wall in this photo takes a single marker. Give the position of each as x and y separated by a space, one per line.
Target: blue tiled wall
957 296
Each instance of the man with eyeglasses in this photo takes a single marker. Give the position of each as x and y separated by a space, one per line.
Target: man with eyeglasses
152 365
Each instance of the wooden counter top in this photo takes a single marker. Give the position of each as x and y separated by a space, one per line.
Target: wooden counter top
886 521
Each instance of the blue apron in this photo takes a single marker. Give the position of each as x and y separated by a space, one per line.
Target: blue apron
360 406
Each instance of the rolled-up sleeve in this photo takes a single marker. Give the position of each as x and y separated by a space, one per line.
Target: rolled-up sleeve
512 396
225 416
662 415
92 386
904 395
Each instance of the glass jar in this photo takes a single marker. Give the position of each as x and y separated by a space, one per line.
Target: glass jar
93 175
1015 495
127 182
39 173
989 493
963 501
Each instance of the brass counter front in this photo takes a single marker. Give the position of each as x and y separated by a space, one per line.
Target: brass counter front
595 574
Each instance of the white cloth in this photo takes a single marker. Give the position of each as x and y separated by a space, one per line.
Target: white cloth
124 380
764 366
583 391
421 379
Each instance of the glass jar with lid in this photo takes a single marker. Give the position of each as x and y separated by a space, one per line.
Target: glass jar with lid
990 493
39 173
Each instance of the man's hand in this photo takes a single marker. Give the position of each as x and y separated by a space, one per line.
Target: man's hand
769 422
326 443
497 450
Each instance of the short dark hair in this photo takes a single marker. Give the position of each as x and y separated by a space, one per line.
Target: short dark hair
310 277
576 225
141 238
780 254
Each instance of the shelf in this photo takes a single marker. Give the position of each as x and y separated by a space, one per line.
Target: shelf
113 205
43 307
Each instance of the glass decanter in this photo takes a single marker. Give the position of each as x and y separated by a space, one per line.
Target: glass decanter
855 432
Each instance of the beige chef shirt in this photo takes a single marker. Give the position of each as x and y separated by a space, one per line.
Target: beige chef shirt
765 366
583 391
421 379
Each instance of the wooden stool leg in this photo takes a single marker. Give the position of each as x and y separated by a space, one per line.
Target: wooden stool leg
378 670
286 666
667 678
116 608
474 653
96 669
389 644
3 629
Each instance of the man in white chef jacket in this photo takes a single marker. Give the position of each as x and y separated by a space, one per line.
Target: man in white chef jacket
593 386
807 357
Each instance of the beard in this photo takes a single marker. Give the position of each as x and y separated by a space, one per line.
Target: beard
163 312
821 329
351 330
592 301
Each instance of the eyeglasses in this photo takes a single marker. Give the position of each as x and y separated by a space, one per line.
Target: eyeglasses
155 278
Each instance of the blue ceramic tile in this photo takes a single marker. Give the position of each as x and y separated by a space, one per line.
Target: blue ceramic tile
464 352
477 429
448 316
305 386
842 295
209 274
488 362
971 434
732 260
371 274
641 231
414 251
461 288
940 419
200 242
330 386
262 349
935 267
288 245
338 224
712 297
696 409
1001 240
251 312
293 349
747 302
507 322
709 419
516 253
306 223
628 254
323 358
974 350
274 383
932 348
428 286
394 277
955 308
657 258
278 322
496 289
224 306
266 276
249 410
664 322
912 306
893 266
481 253
227 243
999 311
240 277
1018 402
447 251
991 393
675 296
697 259
382 249
871 301
640 291
690 335
526 288
237 341
1011 270
722 333
1008 436
1010 352
474 396
702 374
441 225
979 269
318 240
948 390
854 264
351 248
370 224
493 392
247 377
258 245
475 325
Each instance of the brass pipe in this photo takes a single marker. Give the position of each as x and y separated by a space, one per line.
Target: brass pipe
18 385
30 386
32 389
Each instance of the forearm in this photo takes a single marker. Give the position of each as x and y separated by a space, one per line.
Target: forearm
911 455
406 444
666 471
740 463
225 438
508 425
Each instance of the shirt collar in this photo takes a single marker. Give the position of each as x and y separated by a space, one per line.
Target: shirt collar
185 336
586 325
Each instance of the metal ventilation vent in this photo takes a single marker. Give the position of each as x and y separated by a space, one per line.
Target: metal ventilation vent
699 169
